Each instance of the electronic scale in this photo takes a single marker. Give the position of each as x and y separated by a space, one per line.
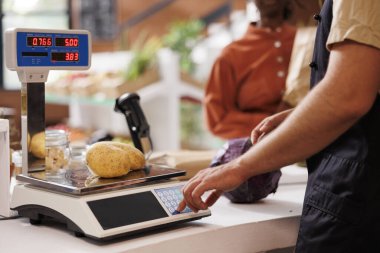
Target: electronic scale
99 208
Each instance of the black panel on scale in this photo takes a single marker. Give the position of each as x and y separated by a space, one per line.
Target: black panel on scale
126 210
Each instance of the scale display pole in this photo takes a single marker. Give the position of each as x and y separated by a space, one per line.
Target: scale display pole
33 53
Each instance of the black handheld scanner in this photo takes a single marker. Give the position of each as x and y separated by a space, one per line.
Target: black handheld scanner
129 105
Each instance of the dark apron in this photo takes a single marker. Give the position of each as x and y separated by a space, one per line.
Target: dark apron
341 211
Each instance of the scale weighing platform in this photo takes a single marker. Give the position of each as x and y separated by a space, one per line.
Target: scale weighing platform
99 208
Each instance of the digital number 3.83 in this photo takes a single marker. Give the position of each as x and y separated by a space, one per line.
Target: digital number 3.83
72 56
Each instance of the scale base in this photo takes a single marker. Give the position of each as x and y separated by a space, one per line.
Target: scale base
107 215
38 215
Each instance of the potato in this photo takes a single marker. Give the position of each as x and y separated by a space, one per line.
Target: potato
111 159
136 157
37 145
107 160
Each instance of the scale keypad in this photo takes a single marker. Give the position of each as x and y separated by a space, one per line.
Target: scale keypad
171 197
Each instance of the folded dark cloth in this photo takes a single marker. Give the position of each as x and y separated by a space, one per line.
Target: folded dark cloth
255 188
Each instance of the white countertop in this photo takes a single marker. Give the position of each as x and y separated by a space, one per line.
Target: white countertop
269 224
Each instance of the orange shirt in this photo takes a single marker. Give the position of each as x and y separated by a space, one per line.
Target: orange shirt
247 81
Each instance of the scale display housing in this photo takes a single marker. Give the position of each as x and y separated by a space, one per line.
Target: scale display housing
48 49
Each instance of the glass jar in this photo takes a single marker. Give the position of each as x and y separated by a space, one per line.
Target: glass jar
57 150
78 155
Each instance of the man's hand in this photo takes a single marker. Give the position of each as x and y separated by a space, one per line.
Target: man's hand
267 125
225 177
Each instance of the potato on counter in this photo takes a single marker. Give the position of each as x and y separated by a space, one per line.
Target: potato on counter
112 159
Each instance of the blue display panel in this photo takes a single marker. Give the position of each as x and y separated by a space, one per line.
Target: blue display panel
52 49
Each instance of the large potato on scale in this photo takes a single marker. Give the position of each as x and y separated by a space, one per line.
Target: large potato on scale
113 159
107 160
136 157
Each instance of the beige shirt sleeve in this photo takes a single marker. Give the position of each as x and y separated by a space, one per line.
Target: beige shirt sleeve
298 79
357 20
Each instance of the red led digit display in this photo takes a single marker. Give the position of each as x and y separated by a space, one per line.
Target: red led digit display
66 42
39 41
65 56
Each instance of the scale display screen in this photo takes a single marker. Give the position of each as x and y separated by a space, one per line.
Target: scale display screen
39 41
126 210
52 49
65 56
67 42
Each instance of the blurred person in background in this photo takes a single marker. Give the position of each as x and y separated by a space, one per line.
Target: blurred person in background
247 81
